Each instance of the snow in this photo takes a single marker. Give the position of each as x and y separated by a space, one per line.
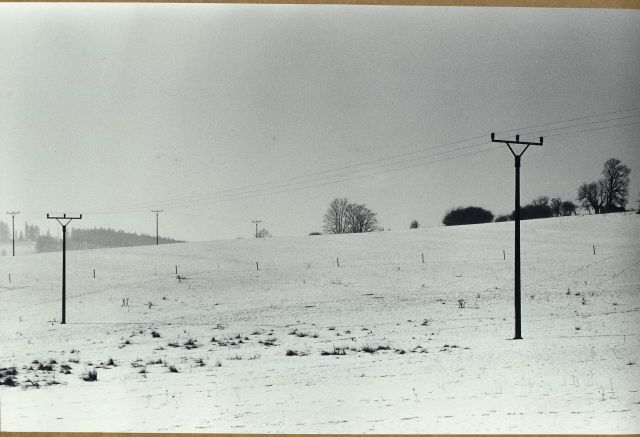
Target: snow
441 368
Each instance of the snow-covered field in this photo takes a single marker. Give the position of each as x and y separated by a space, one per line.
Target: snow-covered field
385 343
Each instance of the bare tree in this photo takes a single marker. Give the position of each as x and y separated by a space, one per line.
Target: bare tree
343 217
540 201
590 197
567 207
263 233
335 217
556 206
359 219
615 185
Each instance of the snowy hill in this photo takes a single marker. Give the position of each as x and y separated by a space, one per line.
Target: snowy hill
383 343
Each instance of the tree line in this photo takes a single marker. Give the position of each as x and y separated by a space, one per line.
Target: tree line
98 238
30 232
608 194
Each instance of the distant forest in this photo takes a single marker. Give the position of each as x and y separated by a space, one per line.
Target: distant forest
98 238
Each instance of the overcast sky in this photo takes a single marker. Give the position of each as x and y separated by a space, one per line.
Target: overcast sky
221 114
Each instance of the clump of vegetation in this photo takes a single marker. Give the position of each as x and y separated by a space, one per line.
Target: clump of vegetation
293 353
111 362
173 344
155 334
235 357
462 303
200 362
190 344
156 361
65 368
370 349
173 369
46 367
90 375
7 376
335 351
271 341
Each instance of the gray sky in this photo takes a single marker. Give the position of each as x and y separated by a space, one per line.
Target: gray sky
215 113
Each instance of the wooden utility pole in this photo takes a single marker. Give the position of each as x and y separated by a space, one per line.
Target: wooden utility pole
66 221
157 211
256 222
517 156
13 229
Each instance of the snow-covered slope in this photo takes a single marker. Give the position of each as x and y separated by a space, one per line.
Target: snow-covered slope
383 343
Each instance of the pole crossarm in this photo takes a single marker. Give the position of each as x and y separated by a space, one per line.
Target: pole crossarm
517 141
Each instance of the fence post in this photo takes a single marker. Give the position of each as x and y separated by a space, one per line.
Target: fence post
594 249
94 273
257 267
176 269
338 261
423 258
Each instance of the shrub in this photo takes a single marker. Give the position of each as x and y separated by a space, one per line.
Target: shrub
292 353
173 369
467 216
531 211
335 351
315 233
502 218
90 375
414 224
190 344
373 349
7 376
155 334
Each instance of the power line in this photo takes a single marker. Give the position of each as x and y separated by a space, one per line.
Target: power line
233 193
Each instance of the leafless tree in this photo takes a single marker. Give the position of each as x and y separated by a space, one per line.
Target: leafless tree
335 217
567 207
556 206
343 217
359 219
590 197
615 184
263 233
540 201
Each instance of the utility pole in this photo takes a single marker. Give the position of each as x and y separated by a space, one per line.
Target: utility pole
66 221
157 211
256 222
13 229
517 155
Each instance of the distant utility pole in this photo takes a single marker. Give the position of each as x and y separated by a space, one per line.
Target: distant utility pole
13 229
517 154
64 262
157 211
256 222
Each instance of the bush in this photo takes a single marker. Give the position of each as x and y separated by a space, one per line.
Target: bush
315 233
503 218
531 211
414 224
91 375
467 216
